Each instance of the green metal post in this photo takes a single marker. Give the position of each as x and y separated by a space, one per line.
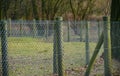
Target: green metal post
21 25
59 46
34 28
87 43
107 48
55 66
9 28
68 31
81 35
59 41
4 48
47 29
98 28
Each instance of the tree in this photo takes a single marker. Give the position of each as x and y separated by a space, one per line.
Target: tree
50 8
80 9
115 28
35 11
4 6
102 7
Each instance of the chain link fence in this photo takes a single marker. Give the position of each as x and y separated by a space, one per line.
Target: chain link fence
30 46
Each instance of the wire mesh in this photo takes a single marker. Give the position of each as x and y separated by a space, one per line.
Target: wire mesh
30 47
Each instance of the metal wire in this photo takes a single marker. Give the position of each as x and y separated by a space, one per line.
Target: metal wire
30 47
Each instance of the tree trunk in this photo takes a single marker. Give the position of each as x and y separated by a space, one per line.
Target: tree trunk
40 28
0 10
4 5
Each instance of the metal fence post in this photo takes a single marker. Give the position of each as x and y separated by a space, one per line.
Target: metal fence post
21 27
34 28
55 67
59 40
46 30
81 35
87 43
9 28
68 31
4 48
98 29
107 48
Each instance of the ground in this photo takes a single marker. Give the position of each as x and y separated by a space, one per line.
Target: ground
33 57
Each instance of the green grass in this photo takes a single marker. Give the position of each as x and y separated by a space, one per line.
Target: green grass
33 57
27 46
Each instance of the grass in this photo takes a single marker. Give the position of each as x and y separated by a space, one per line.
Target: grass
27 46
33 56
